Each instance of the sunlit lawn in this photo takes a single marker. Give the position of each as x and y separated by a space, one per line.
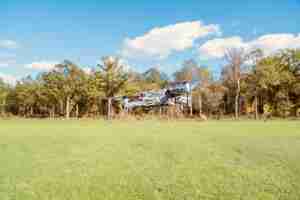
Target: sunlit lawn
89 159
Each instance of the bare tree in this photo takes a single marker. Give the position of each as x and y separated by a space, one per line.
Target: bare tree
254 58
235 58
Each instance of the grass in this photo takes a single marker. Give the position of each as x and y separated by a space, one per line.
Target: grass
88 160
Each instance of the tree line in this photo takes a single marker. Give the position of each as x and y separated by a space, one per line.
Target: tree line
250 84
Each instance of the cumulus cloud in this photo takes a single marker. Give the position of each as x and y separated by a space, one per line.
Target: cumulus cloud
42 65
160 42
274 42
216 48
8 44
269 43
9 79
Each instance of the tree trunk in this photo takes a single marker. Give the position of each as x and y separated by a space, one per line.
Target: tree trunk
256 106
109 108
200 105
61 108
188 102
237 97
224 107
3 107
67 107
236 109
77 111
160 111
31 111
191 106
52 112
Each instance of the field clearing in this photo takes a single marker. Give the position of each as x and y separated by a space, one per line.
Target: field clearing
88 160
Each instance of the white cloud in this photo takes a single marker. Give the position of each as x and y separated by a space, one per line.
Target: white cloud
162 41
42 65
216 48
9 79
269 43
8 44
274 42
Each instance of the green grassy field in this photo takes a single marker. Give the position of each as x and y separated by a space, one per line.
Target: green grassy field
87 160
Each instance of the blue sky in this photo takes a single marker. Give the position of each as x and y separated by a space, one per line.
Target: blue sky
35 32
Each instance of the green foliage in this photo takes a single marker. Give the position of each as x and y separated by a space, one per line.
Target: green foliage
275 81
298 112
191 71
4 91
246 79
212 97
113 76
268 109
284 105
